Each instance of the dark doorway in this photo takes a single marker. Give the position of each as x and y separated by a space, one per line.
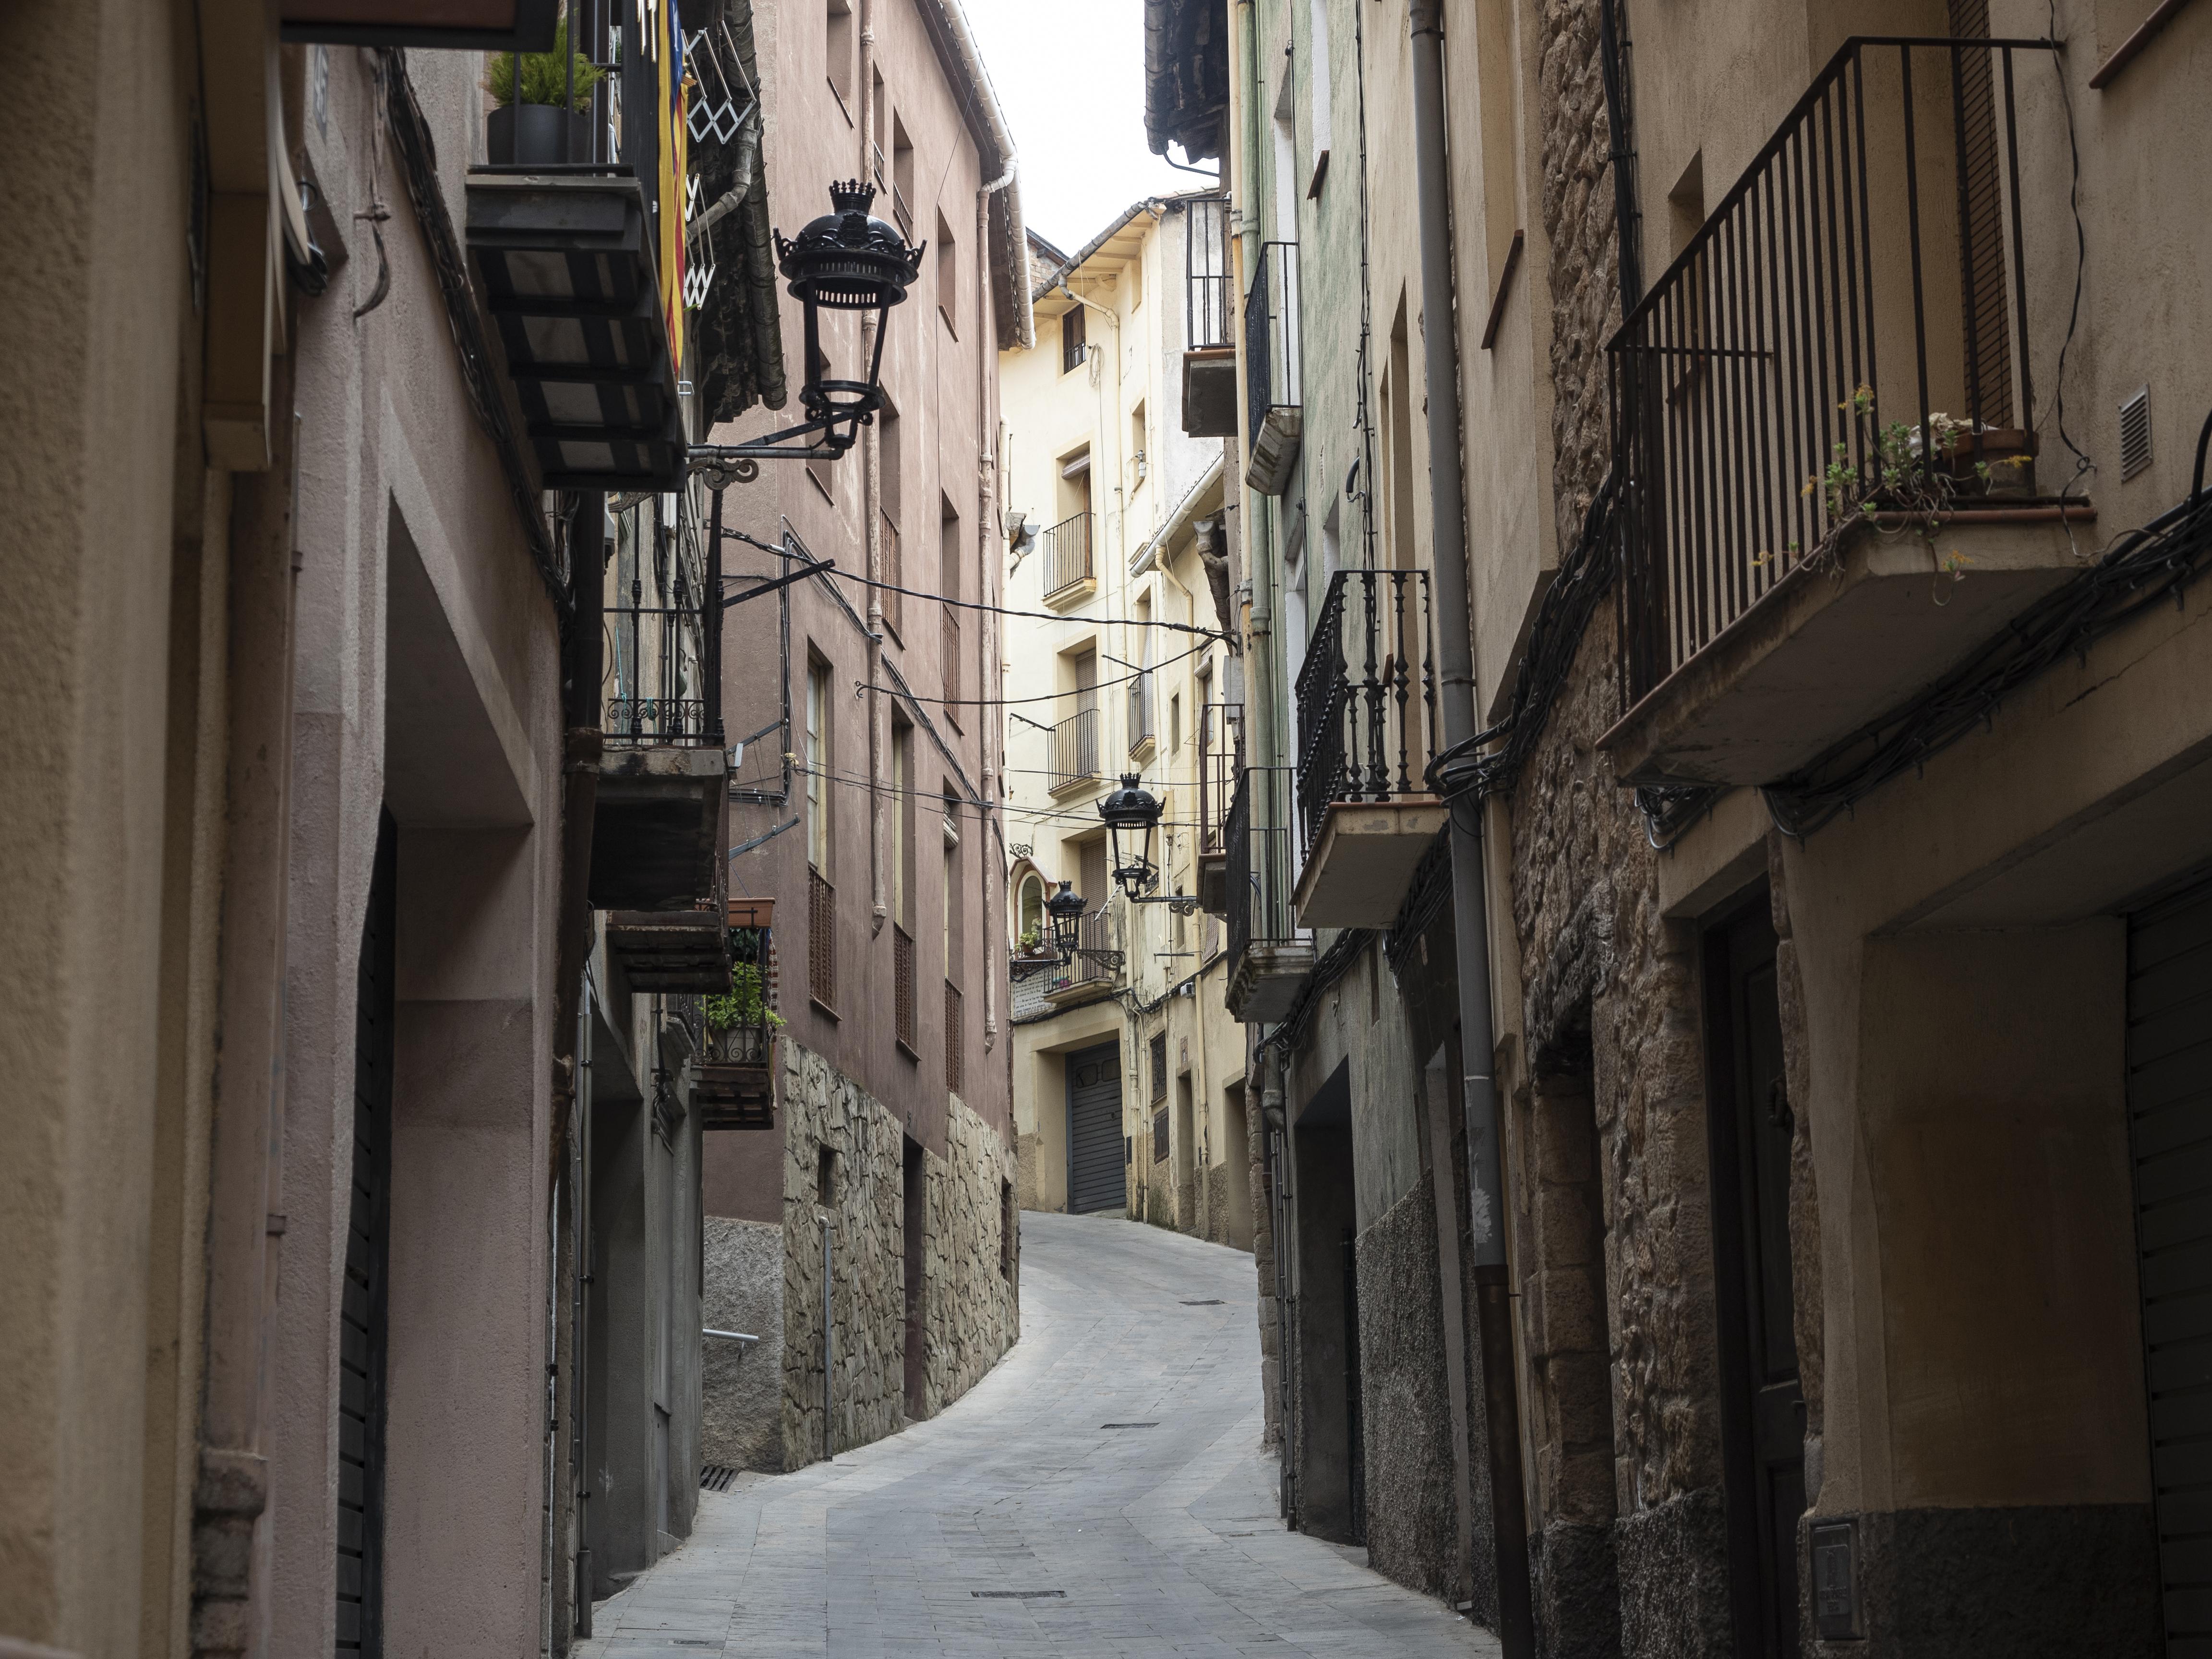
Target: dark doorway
1763 1406
1097 1176
1325 1357
363 1321
917 1213
2170 1140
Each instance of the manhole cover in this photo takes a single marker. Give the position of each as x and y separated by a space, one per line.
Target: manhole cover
716 1477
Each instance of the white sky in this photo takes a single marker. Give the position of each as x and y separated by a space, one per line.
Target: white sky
1070 74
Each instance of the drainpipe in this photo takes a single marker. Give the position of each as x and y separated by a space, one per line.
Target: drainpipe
1470 902
872 520
987 589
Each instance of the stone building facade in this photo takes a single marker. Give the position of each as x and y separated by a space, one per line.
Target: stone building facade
1810 936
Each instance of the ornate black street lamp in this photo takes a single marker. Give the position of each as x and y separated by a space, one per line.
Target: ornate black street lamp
1064 909
1132 813
846 260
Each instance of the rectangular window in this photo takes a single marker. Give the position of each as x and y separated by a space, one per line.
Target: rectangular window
840 53
901 202
951 634
1159 1054
1175 724
1070 339
1317 88
903 824
948 277
816 761
1006 1229
1140 468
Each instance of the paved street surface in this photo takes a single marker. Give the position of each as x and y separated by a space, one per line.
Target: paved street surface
1016 1523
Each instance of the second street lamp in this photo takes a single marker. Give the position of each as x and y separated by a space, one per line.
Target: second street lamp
1064 909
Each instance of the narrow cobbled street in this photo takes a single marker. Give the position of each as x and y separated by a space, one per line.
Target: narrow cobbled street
1103 1491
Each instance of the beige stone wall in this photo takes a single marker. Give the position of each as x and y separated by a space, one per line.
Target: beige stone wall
971 1316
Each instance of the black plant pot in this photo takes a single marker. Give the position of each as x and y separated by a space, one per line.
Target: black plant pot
529 135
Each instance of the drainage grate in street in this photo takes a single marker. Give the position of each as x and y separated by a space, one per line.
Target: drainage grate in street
1129 1426
1210 1302
1018 1596
716 1477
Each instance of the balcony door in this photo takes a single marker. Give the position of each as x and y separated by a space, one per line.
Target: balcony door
1762 1403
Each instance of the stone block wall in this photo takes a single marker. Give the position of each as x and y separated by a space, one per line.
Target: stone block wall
974 1310
741 1388
1595 953
970 1317
1405 1412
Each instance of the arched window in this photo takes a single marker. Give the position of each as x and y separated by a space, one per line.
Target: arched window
1030 910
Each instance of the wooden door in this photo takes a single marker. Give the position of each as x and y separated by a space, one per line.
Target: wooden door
1762 1405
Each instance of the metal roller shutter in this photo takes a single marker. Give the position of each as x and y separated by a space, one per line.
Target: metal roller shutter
1095 1178
2170 1131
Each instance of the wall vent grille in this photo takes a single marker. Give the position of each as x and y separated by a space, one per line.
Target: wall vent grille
2134 433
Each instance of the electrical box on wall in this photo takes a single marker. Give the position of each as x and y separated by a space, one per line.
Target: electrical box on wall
1835 1581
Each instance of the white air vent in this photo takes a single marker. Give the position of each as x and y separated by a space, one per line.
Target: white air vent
2134 433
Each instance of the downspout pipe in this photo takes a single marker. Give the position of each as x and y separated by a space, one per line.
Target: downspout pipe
1470 899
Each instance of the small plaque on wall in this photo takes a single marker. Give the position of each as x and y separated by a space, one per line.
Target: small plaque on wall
1835 1581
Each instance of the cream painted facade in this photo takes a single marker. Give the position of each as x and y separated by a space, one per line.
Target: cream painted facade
1117 498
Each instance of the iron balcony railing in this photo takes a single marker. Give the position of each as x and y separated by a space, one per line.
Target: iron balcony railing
1209 292
1066 550
1093 964
1261 870
1075 749
744 1044
661 683
1273 374
1366 694
1847 332
1220 762
1140 709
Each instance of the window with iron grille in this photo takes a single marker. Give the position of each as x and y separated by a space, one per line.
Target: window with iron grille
1070 339
1006 1229
1160 1066
1160 1135
821 939
902 991
952 1023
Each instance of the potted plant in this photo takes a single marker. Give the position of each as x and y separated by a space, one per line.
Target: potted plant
739 1021
535 114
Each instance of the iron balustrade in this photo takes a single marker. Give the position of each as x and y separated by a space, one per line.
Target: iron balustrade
1140 709
1260 870
1075 749
1066 550
1220 763
904 1012
1093 964
1366 694
661 634
1273 371
744 1044
1847 332
1207 291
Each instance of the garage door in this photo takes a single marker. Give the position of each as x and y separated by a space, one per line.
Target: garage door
2170 1125
1094 1130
